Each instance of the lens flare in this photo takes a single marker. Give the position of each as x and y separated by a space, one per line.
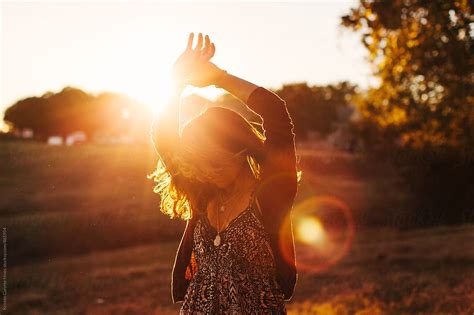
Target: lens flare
324 231
310 231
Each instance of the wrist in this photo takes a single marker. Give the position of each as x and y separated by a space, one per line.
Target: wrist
220 78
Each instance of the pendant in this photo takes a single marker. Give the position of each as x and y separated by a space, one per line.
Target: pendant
217 240
222 208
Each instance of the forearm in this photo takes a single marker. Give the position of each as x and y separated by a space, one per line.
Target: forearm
165 126
236 86
170 113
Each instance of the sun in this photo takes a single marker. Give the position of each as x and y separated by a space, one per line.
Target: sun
147 73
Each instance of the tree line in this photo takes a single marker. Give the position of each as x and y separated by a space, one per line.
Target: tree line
72 110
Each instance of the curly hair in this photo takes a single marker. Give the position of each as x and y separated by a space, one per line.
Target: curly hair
180 183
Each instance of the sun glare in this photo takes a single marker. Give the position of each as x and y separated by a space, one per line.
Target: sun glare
154 61
149 64
310 231
153 87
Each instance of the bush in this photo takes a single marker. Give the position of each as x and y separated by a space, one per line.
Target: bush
440 183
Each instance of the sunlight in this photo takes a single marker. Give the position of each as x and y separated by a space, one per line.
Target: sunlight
153 86
125 114
130 48
4 127
310 231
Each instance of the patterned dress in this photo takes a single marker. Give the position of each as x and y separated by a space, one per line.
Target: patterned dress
239 275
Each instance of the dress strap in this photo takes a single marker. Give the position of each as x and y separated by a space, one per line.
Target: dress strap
258 206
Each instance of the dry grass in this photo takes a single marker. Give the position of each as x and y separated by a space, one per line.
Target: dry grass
85 236
385 272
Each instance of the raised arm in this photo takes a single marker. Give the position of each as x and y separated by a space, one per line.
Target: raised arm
165 127
192 66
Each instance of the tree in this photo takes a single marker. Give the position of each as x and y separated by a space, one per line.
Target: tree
422 52
316 108
75 110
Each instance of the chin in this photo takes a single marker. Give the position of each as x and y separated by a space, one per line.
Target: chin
222 184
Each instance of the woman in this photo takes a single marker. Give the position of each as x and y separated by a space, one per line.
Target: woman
235 187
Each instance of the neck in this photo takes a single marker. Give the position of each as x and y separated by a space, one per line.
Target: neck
237 187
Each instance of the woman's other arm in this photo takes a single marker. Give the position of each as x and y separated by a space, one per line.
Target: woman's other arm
277 122
279 173
240 88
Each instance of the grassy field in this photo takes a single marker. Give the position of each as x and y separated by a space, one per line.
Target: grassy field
385 272
85 236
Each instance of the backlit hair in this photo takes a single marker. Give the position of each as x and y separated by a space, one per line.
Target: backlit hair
181 184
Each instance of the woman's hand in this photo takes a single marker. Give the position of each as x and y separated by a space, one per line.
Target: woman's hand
194 67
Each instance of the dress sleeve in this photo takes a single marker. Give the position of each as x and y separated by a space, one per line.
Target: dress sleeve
278 182
279 174
183 270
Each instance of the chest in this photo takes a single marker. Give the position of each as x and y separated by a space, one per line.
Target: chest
244 240
220 219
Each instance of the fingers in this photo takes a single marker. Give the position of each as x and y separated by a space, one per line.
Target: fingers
207 46
202 53
198 47
209 49
213 51
210 53
190 41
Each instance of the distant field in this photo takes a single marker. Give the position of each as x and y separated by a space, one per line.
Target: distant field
85 236
98 197
68 200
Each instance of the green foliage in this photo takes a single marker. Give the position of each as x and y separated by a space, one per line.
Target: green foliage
315 108
422 53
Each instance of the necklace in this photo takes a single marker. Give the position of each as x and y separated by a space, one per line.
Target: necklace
222 207
217 239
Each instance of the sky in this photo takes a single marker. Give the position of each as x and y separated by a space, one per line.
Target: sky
130 47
